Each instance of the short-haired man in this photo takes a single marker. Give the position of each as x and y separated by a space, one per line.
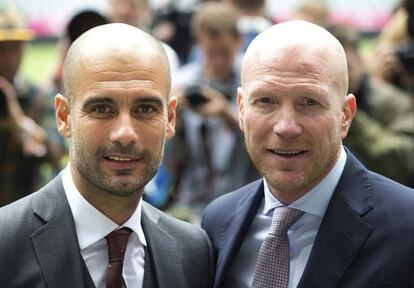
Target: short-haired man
89 226
318 218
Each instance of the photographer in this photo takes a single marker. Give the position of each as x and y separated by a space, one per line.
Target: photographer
24 143
207 157
382 131
393 60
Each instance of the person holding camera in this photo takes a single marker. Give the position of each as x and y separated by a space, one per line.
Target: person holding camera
207 157
393 60
382 133
24 143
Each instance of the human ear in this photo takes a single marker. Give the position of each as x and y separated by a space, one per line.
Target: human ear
240 106
171 114
62 108
348 113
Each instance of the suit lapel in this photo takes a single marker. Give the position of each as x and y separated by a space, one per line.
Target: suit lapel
149 279
237 228
55 243
166 265
343 230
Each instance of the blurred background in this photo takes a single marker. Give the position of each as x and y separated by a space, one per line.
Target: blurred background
48 18
205 42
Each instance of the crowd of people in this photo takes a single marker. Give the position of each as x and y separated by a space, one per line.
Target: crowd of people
290 151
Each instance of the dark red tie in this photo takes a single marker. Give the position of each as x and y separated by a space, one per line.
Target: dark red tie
117 242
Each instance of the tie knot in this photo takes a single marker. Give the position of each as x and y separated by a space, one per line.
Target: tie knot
283 218
117 242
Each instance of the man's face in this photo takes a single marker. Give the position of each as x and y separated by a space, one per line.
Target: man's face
11 53
293 118
219 52
119 121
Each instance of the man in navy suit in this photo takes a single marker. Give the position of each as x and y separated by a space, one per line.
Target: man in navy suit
357 227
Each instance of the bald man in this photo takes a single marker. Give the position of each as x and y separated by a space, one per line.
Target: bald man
318 217
116 114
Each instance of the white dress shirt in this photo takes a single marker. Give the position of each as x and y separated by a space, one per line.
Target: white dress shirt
301 234
91 228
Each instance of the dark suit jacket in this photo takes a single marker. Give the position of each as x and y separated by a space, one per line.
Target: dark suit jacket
39 246
366 238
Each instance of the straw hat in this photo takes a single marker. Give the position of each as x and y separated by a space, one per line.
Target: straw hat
12 26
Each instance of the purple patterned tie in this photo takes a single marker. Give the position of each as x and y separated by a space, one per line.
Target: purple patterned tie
117 242
273 262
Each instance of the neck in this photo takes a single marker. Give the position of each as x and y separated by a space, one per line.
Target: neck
117 208
286 198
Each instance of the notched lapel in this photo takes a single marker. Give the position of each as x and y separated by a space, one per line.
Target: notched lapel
58 253
55 243
166 265
343 230
337 243
237 228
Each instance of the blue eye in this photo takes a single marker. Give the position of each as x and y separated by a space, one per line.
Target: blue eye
310 102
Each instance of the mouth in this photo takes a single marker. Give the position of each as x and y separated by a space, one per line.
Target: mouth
122 162
288 153
122 158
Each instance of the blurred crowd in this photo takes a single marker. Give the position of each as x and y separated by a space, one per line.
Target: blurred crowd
205 44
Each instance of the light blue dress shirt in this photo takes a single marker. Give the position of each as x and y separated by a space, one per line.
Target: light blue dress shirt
301 235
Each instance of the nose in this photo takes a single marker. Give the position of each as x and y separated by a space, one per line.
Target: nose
123 131
286 125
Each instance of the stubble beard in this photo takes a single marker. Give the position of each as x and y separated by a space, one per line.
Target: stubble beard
90 170
305 181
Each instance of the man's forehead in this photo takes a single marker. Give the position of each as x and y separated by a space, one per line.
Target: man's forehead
125 58
292 70
289 60
94 50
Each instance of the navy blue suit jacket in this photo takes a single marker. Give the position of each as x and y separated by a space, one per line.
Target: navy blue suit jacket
366 238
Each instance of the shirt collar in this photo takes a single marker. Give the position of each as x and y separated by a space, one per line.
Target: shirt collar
317 199
91 224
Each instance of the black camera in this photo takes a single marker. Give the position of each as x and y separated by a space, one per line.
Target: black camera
406 55
195 96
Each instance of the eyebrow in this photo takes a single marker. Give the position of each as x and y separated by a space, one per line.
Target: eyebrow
108 100
98 100
149 99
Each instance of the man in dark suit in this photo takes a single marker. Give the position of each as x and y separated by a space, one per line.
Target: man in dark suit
116 113
341 225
